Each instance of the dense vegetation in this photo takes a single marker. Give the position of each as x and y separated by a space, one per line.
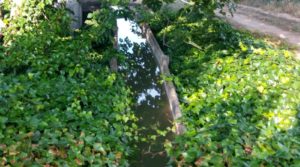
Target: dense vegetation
60 104
239 96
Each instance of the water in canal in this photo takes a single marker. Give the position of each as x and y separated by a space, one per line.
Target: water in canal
150 103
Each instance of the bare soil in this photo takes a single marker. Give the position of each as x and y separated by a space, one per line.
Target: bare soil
282 26
291 7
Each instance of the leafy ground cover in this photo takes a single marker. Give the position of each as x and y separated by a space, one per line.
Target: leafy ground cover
60 104
239 96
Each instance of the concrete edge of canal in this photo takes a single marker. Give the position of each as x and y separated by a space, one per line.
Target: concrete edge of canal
163 63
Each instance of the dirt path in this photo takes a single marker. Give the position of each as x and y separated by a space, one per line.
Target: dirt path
256 20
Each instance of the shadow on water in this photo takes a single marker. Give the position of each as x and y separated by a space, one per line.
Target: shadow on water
150 102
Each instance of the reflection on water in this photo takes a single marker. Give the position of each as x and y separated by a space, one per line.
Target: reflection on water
151 92
151 104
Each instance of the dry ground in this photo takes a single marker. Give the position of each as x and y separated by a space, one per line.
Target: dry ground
291 7
280 26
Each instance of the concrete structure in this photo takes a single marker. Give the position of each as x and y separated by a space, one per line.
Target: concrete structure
89 5
76 14
80 7
163 63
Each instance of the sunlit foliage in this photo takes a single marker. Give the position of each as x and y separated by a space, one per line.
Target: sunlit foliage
240 97
60 104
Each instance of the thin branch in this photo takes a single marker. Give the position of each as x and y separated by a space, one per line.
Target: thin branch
190 42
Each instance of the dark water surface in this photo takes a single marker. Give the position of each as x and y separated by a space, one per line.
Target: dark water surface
150 103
